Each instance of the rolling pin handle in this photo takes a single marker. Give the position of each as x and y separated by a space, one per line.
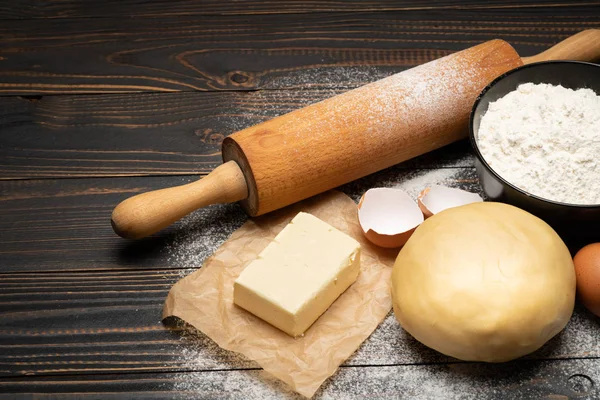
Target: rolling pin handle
583 46
147 213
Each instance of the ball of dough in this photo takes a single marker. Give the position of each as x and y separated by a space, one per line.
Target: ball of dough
484 282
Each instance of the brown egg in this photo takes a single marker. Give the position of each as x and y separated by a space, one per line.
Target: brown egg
587 270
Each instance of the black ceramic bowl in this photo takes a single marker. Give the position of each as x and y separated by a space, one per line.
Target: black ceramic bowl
577 224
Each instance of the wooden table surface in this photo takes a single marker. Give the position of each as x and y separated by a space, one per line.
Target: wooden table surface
102 100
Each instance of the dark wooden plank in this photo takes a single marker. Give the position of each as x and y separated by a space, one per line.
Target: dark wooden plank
529 380
146 134
64 225
183 53
103 318
159 9
138 134
77 299
94 322
60 225
109 322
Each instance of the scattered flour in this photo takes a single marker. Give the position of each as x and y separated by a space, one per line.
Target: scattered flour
545 139
226 374
415 182
200 234
451 381
261 105
390 363
252 108
216 373
331 77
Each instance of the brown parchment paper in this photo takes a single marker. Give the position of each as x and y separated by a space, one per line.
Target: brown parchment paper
204 299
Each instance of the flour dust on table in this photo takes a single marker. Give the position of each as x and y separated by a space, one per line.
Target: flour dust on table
333 77
414 183
299 90
200 234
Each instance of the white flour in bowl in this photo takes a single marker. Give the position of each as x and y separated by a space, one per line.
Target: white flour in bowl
545 139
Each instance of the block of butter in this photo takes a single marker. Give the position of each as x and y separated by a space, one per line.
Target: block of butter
299 274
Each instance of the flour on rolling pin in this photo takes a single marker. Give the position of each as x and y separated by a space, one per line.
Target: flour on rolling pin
423 91
398 101
338 140
362 131
330 143
324 83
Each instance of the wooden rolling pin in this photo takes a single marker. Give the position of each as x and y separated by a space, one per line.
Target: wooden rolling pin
335 141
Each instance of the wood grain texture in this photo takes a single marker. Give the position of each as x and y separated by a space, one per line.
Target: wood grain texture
68 323
64 225
146 134
59 225
97 322
252 52
76 299
341 139
159 9
80 308
562 379
124 135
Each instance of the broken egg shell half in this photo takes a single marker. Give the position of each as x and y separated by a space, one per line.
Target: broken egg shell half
437 198
388 216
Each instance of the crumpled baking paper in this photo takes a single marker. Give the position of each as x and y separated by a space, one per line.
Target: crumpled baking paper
204 299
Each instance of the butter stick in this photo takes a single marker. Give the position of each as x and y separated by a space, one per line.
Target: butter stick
299 274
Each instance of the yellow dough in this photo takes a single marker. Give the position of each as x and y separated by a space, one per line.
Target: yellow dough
484 282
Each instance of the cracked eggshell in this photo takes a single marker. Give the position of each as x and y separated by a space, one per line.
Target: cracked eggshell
439 198
388 216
